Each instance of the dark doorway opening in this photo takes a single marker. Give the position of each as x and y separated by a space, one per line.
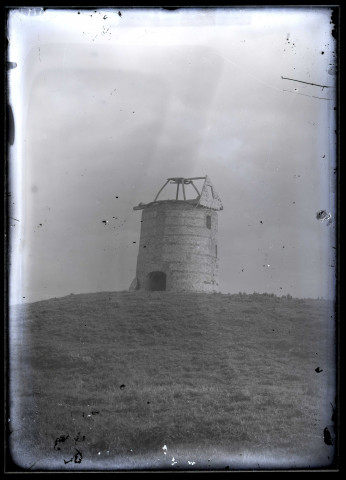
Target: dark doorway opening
156 281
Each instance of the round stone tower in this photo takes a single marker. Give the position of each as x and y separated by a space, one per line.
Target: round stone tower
178 241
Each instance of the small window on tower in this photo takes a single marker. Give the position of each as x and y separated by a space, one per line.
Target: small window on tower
216 250
208 221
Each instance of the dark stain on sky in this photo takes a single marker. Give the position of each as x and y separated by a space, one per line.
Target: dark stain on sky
335 22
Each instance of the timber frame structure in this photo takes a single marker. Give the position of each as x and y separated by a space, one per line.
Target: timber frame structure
203 198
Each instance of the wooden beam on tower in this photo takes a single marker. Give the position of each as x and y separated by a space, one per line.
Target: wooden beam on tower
161 190
194 186
182 183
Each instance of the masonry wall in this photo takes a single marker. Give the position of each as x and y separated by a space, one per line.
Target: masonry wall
175 239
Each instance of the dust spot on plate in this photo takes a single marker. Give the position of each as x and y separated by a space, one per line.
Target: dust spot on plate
323 215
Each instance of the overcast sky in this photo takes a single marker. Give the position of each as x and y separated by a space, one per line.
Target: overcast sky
108 106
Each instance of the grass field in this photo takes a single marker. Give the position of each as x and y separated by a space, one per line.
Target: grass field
156 380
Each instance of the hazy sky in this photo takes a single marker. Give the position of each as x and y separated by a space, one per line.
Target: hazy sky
108 106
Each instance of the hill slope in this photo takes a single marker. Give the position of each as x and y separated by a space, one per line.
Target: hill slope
166 380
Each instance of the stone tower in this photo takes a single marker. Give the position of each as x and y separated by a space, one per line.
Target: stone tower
178 240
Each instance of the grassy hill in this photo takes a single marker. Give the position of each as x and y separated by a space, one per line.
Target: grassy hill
135 380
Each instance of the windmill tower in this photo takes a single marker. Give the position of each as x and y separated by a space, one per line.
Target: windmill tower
178 240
